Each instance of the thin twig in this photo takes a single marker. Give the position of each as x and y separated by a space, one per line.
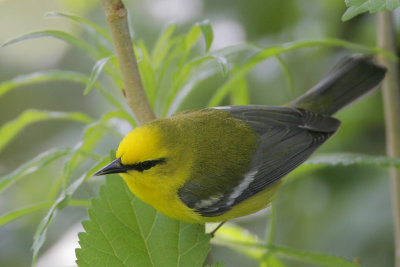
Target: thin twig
116 15
391 103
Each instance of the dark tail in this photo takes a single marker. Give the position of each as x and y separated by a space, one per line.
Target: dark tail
350 79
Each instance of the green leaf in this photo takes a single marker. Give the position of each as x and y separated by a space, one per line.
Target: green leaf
222 63
176 52
192 37
67 37
271 260
287 74
116 103
274 51
240 94
10 129
356 7
190 75
40 236
124 231
175 58
239 239
207 32
38 162
318 259
101 38
187 88
271 230
146 71
56 75
242 241
347 159
42 76
93 133
217 264
94 75
189 71
13 215
392 4
237 51
162 45
88 24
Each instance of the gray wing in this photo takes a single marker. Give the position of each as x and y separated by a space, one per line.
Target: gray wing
287 137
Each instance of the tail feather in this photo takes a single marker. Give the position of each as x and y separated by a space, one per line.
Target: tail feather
350 79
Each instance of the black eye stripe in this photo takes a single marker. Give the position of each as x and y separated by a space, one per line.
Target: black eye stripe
144 165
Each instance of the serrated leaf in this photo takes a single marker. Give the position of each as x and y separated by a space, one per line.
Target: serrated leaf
347 159
67 37
124 231
42 76
207 32
94 75
62 201
10 129
356 7
31 166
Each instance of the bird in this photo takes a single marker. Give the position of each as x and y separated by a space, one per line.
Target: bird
220 163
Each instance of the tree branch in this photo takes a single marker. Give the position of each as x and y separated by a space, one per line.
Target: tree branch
116 15
391 103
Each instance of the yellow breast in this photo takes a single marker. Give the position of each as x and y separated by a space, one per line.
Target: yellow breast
160 196
166 201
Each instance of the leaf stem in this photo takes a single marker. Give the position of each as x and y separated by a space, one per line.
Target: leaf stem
391 103
116 15
270 237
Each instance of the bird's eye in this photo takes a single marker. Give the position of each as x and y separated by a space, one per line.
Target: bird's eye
145 165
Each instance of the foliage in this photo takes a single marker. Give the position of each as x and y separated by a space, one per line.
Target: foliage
121 230
244 242
356 7
124 231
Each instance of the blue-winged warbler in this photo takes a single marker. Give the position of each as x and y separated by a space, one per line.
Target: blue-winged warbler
219 163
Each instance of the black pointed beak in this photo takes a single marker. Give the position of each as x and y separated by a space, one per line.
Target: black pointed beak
114 167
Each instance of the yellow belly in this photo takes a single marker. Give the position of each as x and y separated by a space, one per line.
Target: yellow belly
248 206
166 201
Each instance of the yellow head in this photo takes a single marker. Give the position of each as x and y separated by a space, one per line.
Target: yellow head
152 163
174 163
140 145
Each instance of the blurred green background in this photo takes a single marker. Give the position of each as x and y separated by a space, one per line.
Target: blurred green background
343 211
